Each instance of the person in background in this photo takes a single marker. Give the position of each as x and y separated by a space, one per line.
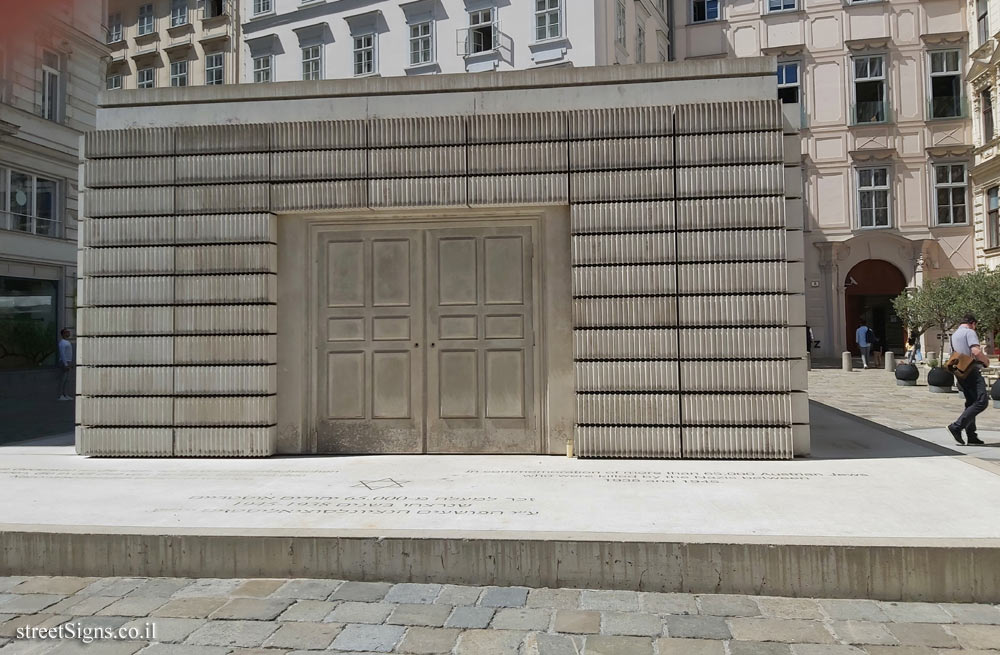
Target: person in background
65 363
862 336
878 348
914 343
965 340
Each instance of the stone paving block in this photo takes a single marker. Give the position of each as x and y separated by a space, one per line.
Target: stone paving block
758 648
305 636
184 649
432 616
28 603
189 608
922 634
489 642
578 621
825 649
104 648
728 605
365 592
556 599
657 603
308 610
509 618
376 638
539 643
78 605
972 613
789 608
669 646
408 592
984 637
697 627
112 587
854 610
10 627
258 588
56 585
601 645
790 631
167 630
504 597
631 623
105 622
307 589
214 587
252 609
132 606
428 640
10 581
351 612
614 601
470 617
916 613
899 650
458 595
863 632
161 586
233 633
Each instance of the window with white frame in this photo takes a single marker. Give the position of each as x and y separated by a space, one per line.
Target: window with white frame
178 73
873 197
983 20
986 108
946 84
51 86
145 78
146 20
115 28
421 43
312 62
869 89
482 31
640 43
364 54
214 68
548 19
113 82
262 69
178 13
31 203
950 192
782 5
620 22
262 7
993 217
704 10
788 82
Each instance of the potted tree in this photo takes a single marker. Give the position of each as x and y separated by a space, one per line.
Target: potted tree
983 298
938 303
907 309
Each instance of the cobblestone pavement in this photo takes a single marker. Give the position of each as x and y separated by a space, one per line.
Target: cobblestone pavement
271 617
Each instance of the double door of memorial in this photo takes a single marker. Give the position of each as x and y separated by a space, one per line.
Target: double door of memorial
427 341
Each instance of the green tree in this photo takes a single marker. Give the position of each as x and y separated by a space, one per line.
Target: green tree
982 298
939 303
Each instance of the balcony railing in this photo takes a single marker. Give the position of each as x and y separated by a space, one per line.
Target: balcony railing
948 107
871 113
46 227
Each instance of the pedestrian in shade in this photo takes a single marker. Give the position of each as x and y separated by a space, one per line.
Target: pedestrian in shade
965 341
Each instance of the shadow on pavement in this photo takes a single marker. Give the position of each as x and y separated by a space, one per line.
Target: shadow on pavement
30 405
839 435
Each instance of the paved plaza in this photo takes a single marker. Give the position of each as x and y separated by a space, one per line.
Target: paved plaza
272 617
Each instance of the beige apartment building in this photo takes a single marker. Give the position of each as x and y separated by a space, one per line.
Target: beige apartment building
984 21
172 43
887 143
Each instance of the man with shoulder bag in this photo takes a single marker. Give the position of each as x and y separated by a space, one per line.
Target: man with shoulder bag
966 361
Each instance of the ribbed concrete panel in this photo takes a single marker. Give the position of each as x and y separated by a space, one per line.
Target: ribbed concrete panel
225 380
624 248
124 442
432 131
240 349
737 343
226 289
650 311
507 158
318 165
627 441
758 310
418 192
719 376
602 218
225 411
223 198
617 154
740 116
128 171
633 280
749 180
142 201
630 121
209 139
223 169
731 245
737 409
627 409
739 148
155 260
523 127
106 291
129 143
797 341
729 213
654 184
225 442
631 376
318 195
417 162
769 277
227 228
319 135
125 380
795 246
226 319
796 277
136 231
148 411
625 344
243 258
125 351
110 321
519 190
738 443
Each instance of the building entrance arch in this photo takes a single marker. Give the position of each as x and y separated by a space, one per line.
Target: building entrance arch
869 288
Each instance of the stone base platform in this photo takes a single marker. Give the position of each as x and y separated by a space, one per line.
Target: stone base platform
872 515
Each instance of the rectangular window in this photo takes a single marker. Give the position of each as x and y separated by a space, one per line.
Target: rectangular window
993 217
983 20
178 13
421 43
986 105
548 19
950 189
704 10
213 68
178 73
145 78
620 22
214 8
32 203
782 5
312 63
115 28
869 89
262 7
873 197
640 43
946 84
113 82
146 20
51 86
482 31
364 54
788 82
262 69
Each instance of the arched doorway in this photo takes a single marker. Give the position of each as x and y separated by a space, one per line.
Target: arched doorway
869 289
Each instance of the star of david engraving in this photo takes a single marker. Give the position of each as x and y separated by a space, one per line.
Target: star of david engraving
384 483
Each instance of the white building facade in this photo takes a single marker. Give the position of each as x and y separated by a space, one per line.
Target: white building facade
984 21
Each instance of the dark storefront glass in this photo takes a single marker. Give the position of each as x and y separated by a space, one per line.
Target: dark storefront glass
28 326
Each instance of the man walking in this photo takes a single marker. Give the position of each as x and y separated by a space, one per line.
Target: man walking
863 337
65 363
965 341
